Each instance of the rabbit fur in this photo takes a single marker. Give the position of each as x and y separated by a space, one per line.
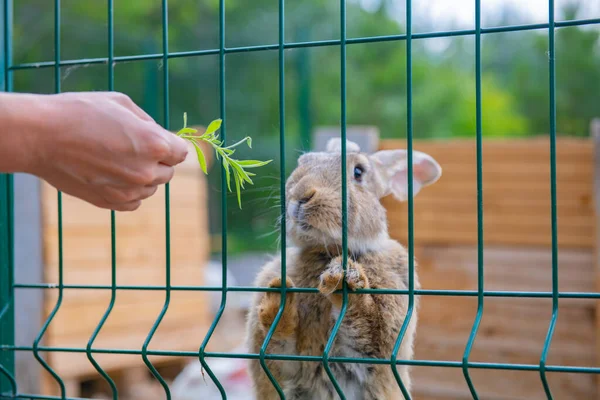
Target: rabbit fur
372 323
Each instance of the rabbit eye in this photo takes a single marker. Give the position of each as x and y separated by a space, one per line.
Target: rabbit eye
358 172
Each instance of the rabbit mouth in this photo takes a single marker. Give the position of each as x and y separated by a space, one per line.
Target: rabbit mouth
304 226
298 217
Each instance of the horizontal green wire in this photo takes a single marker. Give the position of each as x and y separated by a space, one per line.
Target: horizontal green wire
319 359
319 43
39 396
420 292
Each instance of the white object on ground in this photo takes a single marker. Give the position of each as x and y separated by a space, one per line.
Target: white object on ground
232 373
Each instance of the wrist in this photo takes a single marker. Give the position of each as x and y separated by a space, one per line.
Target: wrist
28 121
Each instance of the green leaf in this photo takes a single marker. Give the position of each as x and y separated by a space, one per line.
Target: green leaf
253 163
201 158
243 175
214 126
227 175
237 187
186 131
222 154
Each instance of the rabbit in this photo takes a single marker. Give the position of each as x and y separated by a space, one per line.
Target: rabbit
372 322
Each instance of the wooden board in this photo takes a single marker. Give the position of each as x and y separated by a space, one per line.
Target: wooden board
512 330
141 260
516 192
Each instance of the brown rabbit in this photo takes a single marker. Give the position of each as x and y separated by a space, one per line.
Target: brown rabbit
372 322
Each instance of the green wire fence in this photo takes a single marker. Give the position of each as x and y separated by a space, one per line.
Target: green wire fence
8 385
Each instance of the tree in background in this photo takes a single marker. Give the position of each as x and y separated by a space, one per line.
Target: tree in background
520 62
514 80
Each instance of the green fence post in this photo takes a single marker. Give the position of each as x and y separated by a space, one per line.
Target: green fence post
304 92
150 104
7 312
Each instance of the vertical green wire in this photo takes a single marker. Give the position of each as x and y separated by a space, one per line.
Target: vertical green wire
38 339
283 296
165 65
552 105
219 314
304 90
7 23
411 258
113 282
344 307
480 270
8 310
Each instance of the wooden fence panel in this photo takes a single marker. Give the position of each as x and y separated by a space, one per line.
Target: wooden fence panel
516 187
517 257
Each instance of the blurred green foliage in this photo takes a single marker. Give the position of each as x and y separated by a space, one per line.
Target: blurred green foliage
514 79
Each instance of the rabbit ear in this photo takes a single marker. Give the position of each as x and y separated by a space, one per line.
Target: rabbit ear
334 145
393 167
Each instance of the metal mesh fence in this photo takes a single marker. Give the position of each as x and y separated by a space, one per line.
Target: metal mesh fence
8 286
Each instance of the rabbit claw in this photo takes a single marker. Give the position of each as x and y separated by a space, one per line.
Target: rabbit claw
331 278
270 303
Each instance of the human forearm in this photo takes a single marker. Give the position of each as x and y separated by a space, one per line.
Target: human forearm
23 119
98 146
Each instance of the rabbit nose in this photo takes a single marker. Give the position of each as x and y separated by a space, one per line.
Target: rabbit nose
307 197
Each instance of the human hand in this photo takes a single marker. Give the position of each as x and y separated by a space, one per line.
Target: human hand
104 149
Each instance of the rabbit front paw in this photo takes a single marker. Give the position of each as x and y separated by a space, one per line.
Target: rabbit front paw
269 307
331 278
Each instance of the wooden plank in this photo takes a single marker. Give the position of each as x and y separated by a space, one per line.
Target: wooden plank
536 149
512 329
454 230
506 268
449 384
534 221
131 310
141 253
77 364
595 134
532 205
128 275
516 194
144 247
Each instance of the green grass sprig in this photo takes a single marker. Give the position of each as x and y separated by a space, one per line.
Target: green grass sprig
234 167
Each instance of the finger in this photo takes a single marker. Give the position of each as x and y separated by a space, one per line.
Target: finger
128 103
97 199
131 206
178 149
163 174
146 192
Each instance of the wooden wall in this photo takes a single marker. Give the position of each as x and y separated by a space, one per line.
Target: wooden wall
140 258
517 256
